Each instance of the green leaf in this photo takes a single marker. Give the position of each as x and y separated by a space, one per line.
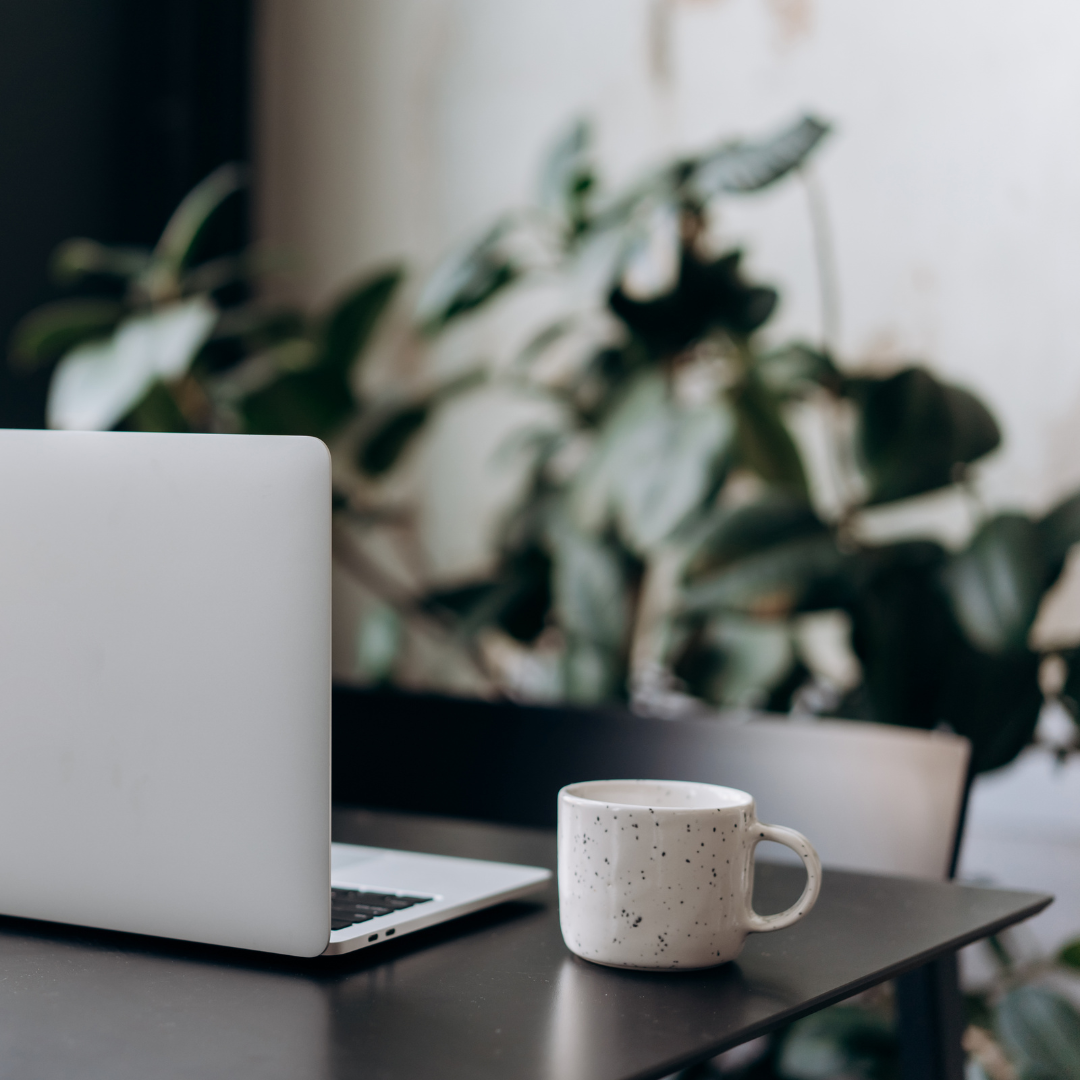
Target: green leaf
1058 531
567 178
743 166
591 674
52 329
381 451
975 431
260 327
654 463
902 631
378 641
996 584
158 411
737 166
918 666
844 1040
1041 1031
994 701
177 242
1070 954
79 258
349 324
782 692
589 585
219 273
590 602
795 370
97 383
398 424
729 534
621 215
540 342
777 581
468 278
459 601
1070 690
707 296
524 593
517 599
736 661
765 445
469 607
915 432
316 401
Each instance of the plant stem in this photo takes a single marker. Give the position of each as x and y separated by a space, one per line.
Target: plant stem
656 601
825 257
1001 954
360 568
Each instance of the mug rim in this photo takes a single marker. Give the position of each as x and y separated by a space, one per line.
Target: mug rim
570 794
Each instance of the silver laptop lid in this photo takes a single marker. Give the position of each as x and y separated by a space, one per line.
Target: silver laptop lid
165 685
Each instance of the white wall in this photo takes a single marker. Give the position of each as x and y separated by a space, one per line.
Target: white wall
1023 832
396 128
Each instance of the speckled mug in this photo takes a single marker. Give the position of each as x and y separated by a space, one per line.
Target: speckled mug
660 874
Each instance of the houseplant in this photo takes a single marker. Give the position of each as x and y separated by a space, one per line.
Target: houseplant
178 338
675 551
166 341
674 530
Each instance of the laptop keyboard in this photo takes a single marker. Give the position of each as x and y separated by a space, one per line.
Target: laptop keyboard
351 906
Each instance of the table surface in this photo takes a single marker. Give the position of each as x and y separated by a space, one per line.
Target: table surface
493 995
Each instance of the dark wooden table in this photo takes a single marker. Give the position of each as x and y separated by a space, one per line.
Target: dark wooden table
493 995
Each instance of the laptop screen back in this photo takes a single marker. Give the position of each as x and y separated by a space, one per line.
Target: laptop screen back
165 685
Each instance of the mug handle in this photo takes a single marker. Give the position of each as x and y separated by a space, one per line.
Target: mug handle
802 847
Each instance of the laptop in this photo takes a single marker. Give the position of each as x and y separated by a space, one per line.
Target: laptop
165 702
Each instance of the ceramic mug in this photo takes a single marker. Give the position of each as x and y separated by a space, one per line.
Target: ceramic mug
660 874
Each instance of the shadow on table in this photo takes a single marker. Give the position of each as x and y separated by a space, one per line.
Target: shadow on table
593 1047
96 942
192 1009
103 1005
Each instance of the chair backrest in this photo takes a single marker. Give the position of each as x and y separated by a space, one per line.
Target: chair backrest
869 796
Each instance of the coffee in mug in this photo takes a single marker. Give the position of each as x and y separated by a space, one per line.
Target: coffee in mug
660 874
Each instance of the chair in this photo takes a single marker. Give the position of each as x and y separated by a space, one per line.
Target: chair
871 797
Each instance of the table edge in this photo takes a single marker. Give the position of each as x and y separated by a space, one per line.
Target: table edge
1039 902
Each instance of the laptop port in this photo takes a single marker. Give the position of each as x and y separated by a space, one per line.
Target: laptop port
389 932
374 937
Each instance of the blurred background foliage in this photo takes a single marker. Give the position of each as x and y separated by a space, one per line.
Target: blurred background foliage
169 341
674 532
676 529
1020 1026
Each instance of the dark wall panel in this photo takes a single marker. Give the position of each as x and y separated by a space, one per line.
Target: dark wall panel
109 111
57 59
182 103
